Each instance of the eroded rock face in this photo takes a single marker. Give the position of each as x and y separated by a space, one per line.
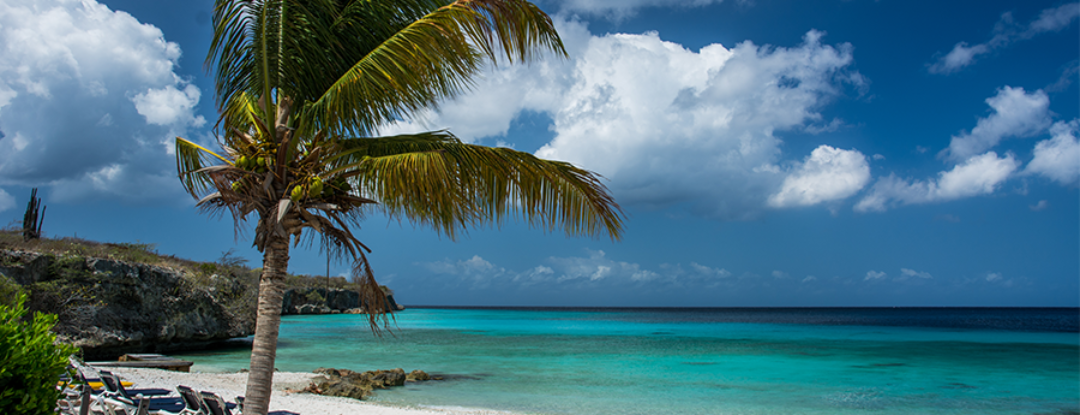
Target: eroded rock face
109 307
360 385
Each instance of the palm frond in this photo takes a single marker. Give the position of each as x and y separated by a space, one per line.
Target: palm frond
450 186
191 159
433 58
518 28
231 54
293 77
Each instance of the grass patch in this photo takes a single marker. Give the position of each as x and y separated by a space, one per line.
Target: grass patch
142 253
73 284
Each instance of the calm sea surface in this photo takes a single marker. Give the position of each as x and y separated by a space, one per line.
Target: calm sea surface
706 361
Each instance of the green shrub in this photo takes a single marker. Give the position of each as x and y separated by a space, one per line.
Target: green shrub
9 291
33 361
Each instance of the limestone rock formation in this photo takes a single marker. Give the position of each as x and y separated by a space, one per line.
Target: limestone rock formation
360 385
109 307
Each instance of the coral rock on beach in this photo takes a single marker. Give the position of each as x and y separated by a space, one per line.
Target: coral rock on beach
360 385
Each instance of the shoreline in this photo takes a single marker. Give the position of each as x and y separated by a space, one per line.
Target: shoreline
231 385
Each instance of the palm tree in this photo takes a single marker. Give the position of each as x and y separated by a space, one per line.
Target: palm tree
302 87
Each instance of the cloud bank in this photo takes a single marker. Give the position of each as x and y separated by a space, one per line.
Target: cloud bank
558 278
619 9
1016 113
978 175
671 126
89 101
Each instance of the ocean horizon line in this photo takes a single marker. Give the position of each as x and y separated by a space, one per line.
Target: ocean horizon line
701 308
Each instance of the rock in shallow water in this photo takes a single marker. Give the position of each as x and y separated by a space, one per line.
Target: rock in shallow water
359 385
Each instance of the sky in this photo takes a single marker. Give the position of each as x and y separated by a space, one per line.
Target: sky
766 153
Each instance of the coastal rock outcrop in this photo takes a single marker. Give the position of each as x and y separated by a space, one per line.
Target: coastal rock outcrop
360 385
110 307
323 301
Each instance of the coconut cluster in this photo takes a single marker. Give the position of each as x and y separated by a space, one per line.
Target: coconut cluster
315 188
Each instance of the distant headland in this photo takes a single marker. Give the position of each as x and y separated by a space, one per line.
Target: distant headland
113 299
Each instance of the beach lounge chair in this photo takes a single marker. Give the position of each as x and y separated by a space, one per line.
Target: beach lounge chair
90 374
78 394
113 386
118 400
76 400
193 403
215 404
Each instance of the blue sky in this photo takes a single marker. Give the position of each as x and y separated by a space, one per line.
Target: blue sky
767 153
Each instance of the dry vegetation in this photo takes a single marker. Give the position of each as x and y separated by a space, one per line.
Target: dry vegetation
199 273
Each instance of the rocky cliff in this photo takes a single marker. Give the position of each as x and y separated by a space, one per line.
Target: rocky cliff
109 307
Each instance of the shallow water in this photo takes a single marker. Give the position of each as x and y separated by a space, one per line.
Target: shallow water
706 361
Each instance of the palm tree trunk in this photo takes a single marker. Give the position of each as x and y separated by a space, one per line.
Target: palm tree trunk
264 347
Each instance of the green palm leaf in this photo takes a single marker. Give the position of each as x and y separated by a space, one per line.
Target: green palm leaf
436 180
295 79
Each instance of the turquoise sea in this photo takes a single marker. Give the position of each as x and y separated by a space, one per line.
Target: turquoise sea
705 361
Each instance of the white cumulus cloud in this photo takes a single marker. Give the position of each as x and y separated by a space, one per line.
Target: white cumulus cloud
475 266
6 201
1053 19
709 272
828 174
980 172
960 56
910 273
619 9
598 267
874 275
1006 32
976 176
1016 114
168 105
666 125
89 101
1058 158
593 269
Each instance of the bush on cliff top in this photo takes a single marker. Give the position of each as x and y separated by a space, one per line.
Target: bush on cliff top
33 361
9 291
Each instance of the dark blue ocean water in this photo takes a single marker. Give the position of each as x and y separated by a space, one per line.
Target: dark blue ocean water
707 361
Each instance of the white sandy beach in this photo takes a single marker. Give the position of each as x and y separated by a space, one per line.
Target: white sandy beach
230 385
